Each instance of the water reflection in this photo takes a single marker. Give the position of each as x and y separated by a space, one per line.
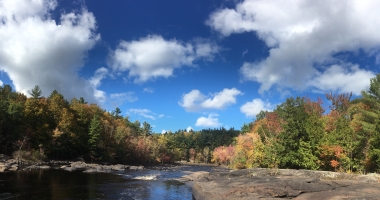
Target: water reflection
60 184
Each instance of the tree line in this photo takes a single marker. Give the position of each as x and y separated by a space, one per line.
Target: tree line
300 134
52 127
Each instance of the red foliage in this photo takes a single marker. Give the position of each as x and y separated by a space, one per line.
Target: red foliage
314 108
339 102
273 122
223 155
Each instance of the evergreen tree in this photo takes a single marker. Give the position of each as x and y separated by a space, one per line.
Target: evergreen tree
94 136
36 92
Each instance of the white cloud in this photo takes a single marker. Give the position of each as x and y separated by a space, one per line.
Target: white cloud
192 100
148 90
126 96
343 79
245 52
99 75
163 131
144 113
153 56
252 108
95 81
303 36
188 129
196 101
1 83
100 95
118 99
221 99
37 50
210 121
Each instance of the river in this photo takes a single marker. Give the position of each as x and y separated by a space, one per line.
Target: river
146 184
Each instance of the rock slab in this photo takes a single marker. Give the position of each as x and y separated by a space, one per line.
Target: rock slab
289 184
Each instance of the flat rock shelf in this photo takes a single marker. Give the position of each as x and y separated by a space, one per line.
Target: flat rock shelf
268 184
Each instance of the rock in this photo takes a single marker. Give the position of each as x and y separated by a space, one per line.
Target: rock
90 171
3 168
13 168
69 169
118 167
291 184
133 167
78 166
107 168
45 167
32 167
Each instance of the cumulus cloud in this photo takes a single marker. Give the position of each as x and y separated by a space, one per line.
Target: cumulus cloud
303 37
192 100
188 129
221 99
1 83
144 113
210 121
252 108
196 101
37 50
154 57
344 79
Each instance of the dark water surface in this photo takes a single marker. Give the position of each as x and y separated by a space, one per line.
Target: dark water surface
61 184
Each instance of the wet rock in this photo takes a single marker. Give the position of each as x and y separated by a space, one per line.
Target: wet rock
136 167
13 168
3 168
78 166
45 167
118 167
90 171
31 167
69 169
291 184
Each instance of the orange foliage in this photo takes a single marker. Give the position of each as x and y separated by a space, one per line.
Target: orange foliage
223 155
334 163
331 154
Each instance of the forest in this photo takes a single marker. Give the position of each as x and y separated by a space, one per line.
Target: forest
299 134
41 128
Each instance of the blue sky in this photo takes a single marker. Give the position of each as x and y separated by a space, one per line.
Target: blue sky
189 64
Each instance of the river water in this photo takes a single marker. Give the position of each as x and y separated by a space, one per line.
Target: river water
60 184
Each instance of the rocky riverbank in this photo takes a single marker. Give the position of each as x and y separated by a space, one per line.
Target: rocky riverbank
284 183
8 164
